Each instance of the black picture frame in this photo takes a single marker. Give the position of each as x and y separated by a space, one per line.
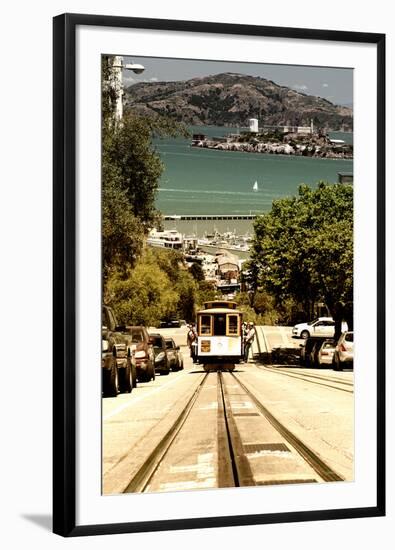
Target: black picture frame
64 273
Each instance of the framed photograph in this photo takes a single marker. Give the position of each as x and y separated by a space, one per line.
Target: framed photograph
219 238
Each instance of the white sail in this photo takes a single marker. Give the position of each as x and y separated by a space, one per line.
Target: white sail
255 186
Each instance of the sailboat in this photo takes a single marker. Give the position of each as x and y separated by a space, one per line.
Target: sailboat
255 186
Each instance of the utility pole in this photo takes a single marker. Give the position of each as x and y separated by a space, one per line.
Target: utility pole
114 85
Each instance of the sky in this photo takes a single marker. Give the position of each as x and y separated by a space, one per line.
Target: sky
333 84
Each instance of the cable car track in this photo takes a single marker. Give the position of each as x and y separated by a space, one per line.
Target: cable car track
318 465
147 470
233 467
307 377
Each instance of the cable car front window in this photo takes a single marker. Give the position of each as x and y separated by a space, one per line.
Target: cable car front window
233 325
220 325
205 325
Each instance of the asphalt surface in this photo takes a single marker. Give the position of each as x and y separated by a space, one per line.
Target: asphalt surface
189 430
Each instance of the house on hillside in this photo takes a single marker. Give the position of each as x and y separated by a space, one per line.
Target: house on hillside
228 267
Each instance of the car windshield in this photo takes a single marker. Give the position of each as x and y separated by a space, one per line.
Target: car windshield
312 322
349 337
137 336
169 344
157 341
328 345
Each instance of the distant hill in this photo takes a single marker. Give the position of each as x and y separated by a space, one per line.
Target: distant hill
230 99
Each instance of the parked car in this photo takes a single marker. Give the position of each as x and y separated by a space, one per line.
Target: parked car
118 366
109 370
325 352
344 351
170 323
160 353
174 355
323 326
143 353
309 349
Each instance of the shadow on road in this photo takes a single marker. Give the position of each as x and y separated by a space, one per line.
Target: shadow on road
281 356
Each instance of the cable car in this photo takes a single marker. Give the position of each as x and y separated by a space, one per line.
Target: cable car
219 335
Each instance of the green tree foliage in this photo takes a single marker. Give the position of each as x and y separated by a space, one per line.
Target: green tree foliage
172 263
303 248
129 148
145 297
122 233
206 292
131 169
258 308
197 272
158 288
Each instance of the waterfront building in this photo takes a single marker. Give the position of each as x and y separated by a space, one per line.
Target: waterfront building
253 124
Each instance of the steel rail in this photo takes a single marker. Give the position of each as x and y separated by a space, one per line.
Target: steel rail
145 473
318 465
301 371
242 473
301 376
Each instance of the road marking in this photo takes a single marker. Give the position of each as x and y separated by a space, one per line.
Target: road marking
241 404
209 406
187 485
278 454
137 399
204 470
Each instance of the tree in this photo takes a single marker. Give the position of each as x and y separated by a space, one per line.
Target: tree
159 287
145 297
303 248
131 170
197 272
206 292
122 233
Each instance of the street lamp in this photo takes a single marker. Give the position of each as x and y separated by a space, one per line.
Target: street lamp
135 67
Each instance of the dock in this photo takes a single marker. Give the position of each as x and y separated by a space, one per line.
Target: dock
194 217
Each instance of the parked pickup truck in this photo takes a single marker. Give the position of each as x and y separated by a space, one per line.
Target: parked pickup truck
118 363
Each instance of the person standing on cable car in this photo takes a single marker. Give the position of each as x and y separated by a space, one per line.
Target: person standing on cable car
192 340
250 335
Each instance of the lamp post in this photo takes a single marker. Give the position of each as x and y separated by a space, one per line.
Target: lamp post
117 66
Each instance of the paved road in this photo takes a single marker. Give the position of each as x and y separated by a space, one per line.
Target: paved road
262 425
270 337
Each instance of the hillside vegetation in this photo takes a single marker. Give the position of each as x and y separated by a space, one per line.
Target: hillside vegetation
230 99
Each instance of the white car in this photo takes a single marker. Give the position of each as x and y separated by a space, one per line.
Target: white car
325 353
323 326
344 351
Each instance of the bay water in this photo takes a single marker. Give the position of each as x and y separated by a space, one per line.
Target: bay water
207 181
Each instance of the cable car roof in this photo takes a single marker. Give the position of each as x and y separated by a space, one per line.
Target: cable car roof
224 304
219 310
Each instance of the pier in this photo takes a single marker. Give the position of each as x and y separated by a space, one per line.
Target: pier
194 217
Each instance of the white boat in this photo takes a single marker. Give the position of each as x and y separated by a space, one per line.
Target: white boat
255 186
166 239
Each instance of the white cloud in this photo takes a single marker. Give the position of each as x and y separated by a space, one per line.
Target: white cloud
128 79
325 85
153 79
301 87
